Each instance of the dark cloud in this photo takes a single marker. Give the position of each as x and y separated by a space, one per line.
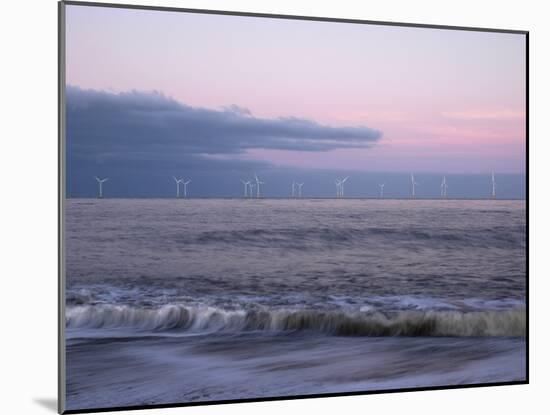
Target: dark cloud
137 124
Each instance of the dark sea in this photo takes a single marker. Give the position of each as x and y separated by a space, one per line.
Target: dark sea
175 301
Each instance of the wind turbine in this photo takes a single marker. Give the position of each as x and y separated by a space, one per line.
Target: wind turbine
444 187
414 184
494 192
342 186
299 189
100 183
382 190
293 187
178 181
185 187
245 187
251 193
258 183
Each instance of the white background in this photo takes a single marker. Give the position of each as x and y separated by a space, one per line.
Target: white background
28 223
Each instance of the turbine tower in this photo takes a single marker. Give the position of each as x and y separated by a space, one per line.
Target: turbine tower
338 187
342 186
299 189
382 190
494 192
414 184
444 188
258 183
100 184
185 187
245 187
178 182
251 193
293 187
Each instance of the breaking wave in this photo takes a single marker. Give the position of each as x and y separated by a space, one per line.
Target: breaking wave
510 323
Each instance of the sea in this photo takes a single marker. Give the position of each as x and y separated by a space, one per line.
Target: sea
195 300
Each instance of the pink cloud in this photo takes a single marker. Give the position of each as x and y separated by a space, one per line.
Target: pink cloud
486 114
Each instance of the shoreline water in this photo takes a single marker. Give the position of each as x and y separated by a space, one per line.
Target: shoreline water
154 370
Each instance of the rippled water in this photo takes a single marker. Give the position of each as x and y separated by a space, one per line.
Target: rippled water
382 293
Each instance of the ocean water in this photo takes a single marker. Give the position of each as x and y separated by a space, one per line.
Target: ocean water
172 301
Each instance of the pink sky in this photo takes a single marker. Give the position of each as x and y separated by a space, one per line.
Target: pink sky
444 99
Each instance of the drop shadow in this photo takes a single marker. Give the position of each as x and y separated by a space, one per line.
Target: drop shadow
48 403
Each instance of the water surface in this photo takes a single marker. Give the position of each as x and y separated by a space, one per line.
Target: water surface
193 300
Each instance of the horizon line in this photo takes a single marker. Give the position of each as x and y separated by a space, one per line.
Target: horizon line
297 198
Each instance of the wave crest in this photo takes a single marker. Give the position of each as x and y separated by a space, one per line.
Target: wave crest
510 323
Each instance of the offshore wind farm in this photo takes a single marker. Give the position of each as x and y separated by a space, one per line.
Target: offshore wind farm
296 190
272 214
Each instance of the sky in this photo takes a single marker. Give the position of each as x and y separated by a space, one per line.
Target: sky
214 98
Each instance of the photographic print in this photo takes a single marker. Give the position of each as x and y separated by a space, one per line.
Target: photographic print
260 207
